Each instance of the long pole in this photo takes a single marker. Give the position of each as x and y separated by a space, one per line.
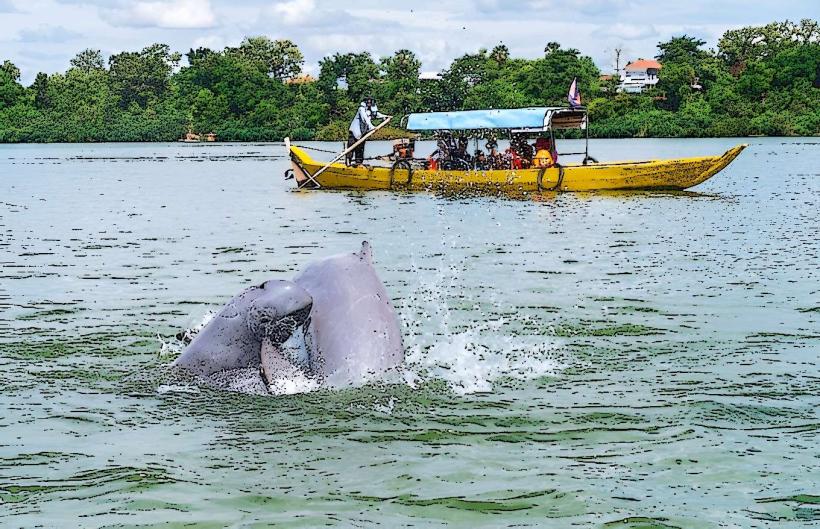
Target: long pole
346 151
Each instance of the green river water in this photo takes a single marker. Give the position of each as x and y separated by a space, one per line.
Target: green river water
625 360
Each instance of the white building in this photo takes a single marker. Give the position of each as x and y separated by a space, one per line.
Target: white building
639 75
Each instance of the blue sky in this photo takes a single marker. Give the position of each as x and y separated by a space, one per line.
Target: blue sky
42 35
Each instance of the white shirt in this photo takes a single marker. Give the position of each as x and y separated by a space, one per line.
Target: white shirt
362 123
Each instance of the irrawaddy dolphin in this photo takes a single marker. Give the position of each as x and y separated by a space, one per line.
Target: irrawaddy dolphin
351 331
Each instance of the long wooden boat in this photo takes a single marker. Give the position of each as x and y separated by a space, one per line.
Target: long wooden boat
589 175
648 175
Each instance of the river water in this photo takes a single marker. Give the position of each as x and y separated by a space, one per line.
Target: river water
615 360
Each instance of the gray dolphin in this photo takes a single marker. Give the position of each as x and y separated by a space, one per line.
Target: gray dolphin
353 335
351 330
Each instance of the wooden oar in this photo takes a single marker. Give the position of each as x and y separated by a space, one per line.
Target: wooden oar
313 177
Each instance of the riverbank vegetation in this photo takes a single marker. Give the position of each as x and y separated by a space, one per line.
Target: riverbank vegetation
760 80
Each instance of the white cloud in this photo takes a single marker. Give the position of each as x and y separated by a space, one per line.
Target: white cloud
173 14
330 43
629 31
214 42
7 6
437 31
294 11
48 34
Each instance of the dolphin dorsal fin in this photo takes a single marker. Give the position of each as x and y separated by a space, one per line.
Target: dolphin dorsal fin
366 254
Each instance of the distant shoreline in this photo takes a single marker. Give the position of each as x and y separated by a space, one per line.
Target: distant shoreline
760 81
341 140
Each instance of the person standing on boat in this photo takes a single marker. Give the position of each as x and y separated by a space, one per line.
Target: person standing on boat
361 125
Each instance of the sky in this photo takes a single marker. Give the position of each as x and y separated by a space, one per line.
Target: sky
43 35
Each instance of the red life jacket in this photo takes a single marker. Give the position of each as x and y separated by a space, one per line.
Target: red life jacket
515 159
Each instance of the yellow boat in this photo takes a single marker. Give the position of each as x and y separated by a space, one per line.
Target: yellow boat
676 174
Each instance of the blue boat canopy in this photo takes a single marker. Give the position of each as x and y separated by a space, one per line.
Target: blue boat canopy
531 119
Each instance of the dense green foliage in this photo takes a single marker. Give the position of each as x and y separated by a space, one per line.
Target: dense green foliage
760 80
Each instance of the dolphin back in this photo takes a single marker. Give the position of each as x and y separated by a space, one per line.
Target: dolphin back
354 333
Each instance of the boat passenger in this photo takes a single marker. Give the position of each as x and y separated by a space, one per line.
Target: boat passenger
496 159
481 162
461 153
361 125
543 153
444 150
527 152
512 159
519 154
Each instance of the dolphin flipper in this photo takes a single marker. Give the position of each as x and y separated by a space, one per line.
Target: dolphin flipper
275 367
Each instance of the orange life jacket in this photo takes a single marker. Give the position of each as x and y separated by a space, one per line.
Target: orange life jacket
543 158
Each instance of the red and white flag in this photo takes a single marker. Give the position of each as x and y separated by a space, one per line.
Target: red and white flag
574 95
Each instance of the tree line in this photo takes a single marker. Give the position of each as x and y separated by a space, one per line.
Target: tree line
760 80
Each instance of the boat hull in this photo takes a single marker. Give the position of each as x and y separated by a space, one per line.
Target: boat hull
656 174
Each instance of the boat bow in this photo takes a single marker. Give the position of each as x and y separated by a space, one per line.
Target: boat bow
721 163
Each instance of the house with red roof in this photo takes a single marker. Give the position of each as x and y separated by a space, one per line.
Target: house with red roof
639 75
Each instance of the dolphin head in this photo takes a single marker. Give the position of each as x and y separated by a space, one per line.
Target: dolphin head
279 308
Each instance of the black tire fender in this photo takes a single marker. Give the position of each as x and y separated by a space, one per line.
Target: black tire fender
402 165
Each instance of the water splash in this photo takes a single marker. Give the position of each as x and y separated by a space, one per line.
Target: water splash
473 361
172 347
177 388
452 338
293 385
